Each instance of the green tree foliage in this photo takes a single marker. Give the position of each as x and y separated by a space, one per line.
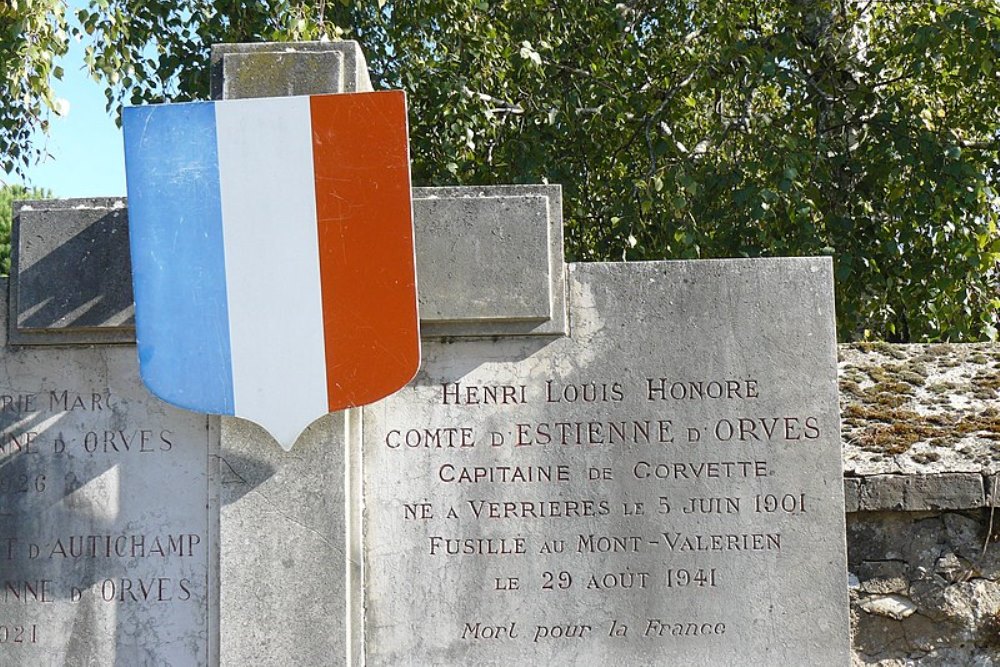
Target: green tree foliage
8 195
32 36
142 50
863 129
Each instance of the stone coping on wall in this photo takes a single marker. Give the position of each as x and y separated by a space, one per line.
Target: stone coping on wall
919 493
920 426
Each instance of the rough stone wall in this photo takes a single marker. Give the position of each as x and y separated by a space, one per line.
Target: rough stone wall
921 433
924 587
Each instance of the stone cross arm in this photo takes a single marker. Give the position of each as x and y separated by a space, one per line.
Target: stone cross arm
489 263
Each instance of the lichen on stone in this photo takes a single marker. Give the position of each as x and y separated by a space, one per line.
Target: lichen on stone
920 408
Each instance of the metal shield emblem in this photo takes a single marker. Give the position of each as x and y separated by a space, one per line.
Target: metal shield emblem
272 254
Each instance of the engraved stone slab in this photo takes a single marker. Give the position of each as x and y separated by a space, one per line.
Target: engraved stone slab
105 529
83 238
663 487
490 260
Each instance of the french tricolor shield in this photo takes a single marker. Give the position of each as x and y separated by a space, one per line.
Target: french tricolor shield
272 254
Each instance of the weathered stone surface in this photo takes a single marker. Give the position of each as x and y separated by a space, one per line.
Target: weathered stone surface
71 281
490 260
106 552
921 492
883 576
993 491
920 409
967 528
277 69
949 571
549 570
852 494
496 265
896 607
282 569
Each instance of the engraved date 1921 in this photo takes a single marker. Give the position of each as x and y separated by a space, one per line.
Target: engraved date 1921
19 634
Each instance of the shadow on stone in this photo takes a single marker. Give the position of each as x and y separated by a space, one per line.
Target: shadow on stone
92 246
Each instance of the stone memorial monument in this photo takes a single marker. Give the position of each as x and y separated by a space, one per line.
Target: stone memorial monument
597 463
